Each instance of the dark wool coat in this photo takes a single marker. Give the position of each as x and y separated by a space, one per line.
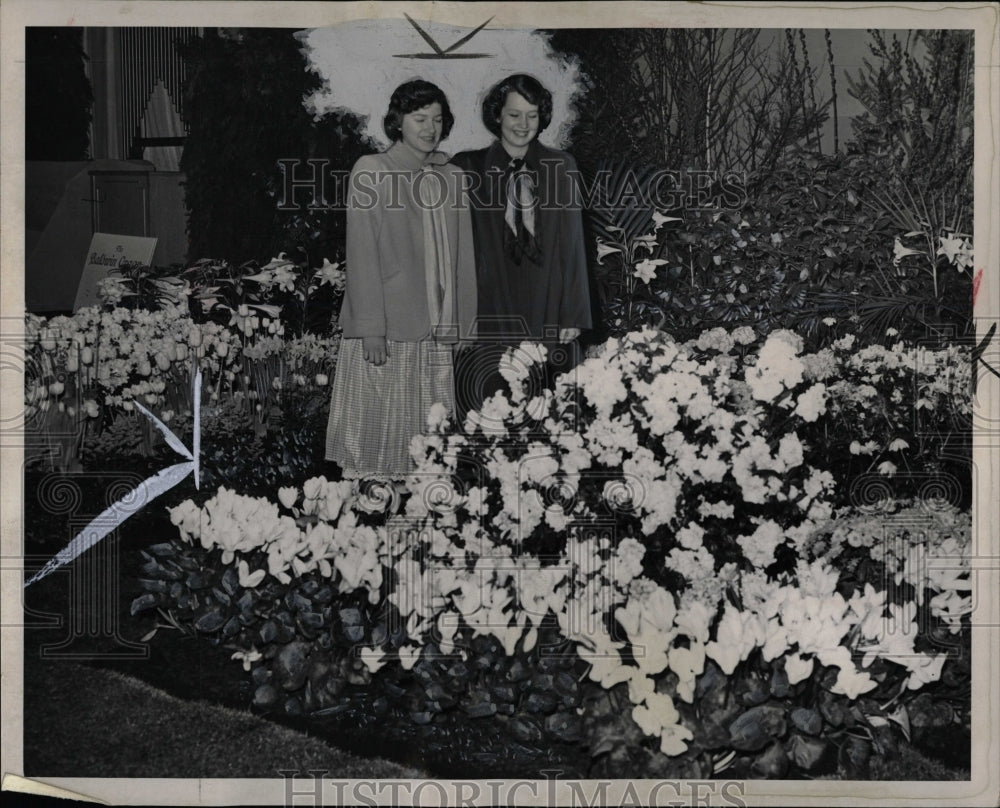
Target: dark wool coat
530 300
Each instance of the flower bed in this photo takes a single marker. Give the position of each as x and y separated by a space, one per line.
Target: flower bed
651 562
86 370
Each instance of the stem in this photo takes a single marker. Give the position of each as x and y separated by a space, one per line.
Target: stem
833 90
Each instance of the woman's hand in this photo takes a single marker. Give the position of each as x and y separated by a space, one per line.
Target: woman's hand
375 350
568 334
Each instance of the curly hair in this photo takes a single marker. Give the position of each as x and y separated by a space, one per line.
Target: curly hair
410 97
528 88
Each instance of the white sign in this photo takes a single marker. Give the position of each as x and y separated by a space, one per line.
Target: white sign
108 252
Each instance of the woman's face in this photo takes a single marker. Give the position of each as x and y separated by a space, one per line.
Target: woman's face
518 124
422 128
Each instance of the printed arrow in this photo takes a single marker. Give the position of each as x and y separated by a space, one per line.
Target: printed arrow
445 53
130 504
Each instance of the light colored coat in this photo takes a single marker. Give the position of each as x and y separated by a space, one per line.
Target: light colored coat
386 293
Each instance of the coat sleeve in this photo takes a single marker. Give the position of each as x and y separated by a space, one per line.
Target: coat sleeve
465 281
574 307
364 304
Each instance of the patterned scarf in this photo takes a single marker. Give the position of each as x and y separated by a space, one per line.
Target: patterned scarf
521 235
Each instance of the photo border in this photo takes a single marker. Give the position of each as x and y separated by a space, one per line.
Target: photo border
981 789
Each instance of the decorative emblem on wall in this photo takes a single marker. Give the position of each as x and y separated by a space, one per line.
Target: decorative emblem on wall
445 53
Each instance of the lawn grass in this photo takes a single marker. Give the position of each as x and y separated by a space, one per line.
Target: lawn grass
102 723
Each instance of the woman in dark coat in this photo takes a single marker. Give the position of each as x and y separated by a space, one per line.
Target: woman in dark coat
531 265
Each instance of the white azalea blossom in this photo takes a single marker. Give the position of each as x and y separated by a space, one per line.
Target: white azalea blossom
778 369
812 403
669 445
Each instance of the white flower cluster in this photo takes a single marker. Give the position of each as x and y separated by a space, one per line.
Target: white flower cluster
240 524
115 356
900 382
111 357
645 432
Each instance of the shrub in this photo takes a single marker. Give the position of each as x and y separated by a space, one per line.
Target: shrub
811 251
245 89
651 527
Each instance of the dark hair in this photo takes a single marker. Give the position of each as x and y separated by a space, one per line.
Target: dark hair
410 97
529 88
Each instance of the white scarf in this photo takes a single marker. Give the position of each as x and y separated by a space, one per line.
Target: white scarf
437 257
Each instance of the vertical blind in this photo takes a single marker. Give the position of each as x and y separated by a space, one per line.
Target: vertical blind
148 55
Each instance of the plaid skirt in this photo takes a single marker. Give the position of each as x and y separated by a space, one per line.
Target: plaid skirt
376 411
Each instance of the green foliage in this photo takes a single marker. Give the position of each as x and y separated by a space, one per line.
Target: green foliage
301 298
304 663
142 287
916 135
260 454
918 100
300 643
805 252
338 645
292 294
856 242
755 725
692 98
244 100
240 447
